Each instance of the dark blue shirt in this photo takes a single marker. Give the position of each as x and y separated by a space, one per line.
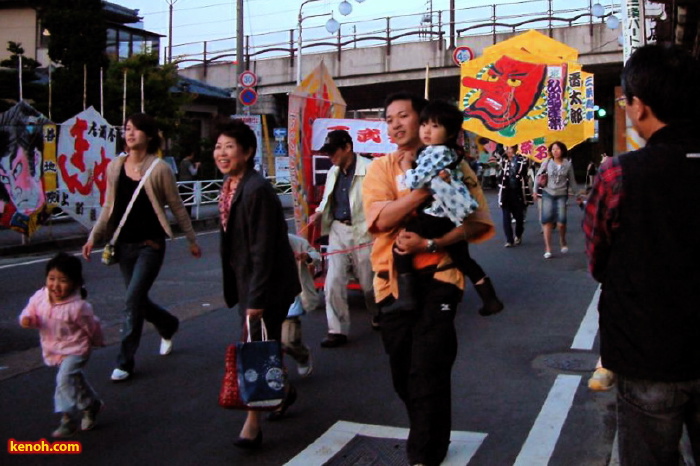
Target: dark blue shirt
341 194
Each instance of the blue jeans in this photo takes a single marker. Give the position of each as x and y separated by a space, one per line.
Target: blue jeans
553 208
650 418
73 392
140 265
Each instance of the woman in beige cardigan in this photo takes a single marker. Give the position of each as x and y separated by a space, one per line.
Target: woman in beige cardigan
140 247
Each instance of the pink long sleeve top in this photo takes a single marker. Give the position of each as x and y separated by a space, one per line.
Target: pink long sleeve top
68 328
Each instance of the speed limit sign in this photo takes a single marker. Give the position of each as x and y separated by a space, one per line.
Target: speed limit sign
248 79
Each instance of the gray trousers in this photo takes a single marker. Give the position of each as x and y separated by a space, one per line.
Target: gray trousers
338 276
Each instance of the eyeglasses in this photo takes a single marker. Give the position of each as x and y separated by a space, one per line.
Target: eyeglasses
621 101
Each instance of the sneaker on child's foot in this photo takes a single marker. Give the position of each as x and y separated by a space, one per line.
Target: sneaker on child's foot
306 368
67 428
90 415
601 380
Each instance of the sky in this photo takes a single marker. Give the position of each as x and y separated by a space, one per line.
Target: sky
207 20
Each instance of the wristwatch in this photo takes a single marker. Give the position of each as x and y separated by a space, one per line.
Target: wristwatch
431 246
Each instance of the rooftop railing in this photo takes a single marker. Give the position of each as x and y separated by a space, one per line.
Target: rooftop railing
438 25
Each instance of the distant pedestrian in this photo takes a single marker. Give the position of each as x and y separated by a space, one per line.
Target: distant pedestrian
513 194
308 261
560 180
341 217
187 171
140 246
259 271
641 227
69 330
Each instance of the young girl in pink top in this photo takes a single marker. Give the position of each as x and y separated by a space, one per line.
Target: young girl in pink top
68 330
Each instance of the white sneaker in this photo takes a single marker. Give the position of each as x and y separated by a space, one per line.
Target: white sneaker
564 249
508 245
518 241
166 346
547 255
305 370
119 375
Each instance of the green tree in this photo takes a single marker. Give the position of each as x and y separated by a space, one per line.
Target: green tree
163 97
33 92
77 42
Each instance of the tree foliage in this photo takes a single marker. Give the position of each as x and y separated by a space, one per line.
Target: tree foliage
33 92
158 84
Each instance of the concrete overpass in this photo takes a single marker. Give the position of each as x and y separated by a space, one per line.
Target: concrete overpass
365 75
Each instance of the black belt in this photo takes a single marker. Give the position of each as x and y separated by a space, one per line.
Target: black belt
346 222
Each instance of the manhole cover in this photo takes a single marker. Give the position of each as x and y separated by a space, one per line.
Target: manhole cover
571 362
365 451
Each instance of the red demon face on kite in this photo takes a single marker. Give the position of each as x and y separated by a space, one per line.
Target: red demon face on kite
508 92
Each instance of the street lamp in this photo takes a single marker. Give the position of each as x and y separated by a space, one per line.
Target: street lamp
332 26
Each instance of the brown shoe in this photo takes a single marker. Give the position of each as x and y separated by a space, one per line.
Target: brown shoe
333 340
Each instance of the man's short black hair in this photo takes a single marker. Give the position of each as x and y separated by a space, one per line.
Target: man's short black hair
417 102
666 79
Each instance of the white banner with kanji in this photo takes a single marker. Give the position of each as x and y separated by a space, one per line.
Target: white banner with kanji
86 145
368 136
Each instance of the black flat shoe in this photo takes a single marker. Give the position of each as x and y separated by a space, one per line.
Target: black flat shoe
289 400
249 444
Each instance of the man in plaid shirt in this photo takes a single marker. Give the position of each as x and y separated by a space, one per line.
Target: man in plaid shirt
642 228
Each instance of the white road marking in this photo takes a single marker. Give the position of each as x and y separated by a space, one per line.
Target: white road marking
585 337
463 445
540 443
94 252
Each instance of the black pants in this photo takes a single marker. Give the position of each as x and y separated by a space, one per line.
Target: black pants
429 226
422 347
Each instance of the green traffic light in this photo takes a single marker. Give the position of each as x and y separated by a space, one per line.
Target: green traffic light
602 113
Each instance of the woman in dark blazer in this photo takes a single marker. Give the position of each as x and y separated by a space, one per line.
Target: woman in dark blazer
259 269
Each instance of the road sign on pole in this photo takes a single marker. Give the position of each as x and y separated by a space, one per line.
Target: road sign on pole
248 79
248 96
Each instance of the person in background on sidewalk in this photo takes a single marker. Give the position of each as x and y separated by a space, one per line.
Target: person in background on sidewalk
140 248
560 179
422 345
641 226
187 171
308 261
513 192
437 167
69 330
341 217
259 271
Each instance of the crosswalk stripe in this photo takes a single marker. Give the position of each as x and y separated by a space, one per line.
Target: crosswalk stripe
463 445
540 443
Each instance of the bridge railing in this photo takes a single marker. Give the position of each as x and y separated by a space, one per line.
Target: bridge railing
437 25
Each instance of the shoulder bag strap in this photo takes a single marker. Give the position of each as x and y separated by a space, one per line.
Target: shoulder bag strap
131 202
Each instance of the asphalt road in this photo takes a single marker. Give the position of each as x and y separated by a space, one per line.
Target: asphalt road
519 380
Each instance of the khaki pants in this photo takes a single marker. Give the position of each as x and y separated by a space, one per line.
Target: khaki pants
338 276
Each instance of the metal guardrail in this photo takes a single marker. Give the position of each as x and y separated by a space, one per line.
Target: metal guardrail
199 193
435 25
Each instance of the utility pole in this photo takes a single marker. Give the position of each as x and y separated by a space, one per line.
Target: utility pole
170 30
239 53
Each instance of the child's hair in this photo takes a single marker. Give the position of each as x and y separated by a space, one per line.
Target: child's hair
71 267
449 116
